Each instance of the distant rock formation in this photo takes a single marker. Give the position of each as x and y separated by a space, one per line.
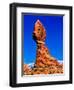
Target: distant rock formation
26 69
45 63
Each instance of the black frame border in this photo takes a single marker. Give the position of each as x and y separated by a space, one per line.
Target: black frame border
13 44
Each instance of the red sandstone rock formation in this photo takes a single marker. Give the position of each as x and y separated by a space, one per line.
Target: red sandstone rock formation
45 63
26 69
43 55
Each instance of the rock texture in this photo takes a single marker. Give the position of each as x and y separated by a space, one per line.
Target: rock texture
26 69
45 63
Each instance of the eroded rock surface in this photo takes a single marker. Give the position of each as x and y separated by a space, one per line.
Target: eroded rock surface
45 62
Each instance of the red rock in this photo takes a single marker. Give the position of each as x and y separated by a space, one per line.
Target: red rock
26 68
43 57
45 62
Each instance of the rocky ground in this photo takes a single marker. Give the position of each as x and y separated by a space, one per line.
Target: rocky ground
54 68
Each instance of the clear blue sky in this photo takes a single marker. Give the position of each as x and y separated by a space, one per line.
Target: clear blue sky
54 36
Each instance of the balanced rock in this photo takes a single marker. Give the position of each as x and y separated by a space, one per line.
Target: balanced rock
45 63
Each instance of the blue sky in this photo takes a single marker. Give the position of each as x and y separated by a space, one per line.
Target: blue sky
54 36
